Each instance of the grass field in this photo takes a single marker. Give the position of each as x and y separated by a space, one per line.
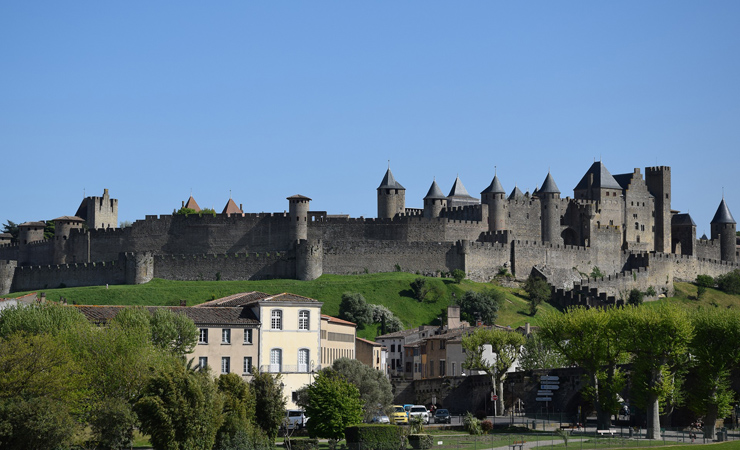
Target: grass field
389 289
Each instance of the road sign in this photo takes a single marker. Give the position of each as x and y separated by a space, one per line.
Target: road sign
552 387
494 397
544 399
544 392
549 378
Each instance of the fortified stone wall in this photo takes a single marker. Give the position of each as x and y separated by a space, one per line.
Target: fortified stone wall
7 273
619 285
708 249
482 260
37 253
402 228
9 251
70 275
233 266
685 268
525 218
344 258
527 254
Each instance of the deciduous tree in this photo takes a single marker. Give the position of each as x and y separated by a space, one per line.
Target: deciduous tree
270 402
375 390
505 348
333 405
484 304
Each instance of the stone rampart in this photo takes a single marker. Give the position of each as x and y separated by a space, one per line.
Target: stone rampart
344 258
481 260
708 249
527 254
69 275
7 274
234 266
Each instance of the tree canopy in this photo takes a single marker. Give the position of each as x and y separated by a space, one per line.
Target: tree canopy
333 405
486 304
375 390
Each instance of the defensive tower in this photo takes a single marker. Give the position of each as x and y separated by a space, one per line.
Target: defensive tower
549 196
724 227
99 212
298 213
391 197
658 180
63 226
495 197
434 202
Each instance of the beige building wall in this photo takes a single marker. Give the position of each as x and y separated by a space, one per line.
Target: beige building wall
369 353
230 342
287 345
337 339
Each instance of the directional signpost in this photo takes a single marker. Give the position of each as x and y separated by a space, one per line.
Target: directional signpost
548 384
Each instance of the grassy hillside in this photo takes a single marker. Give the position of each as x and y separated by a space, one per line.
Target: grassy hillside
389 289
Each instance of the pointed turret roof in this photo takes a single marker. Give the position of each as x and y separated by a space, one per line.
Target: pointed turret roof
723 214
549 186
389 182
516 194
602 179
682 220
435 192
458 190
192 204
495 187
231 208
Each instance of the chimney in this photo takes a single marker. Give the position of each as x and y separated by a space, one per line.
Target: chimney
453 317
183 203
527 330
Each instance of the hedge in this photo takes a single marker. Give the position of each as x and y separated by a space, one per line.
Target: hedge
375 437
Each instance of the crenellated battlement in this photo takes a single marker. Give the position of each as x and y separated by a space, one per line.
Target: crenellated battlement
211 256
72 266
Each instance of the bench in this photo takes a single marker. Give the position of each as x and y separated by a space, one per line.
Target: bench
517 445
603 432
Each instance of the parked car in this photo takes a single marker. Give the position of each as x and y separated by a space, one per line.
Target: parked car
295 419
380 418
398 416
442 416
419 411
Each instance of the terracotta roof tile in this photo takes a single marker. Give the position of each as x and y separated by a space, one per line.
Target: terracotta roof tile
337 320
240 299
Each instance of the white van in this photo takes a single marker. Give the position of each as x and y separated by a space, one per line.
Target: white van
295 419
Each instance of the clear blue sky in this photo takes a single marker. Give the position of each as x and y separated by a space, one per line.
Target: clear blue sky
270 99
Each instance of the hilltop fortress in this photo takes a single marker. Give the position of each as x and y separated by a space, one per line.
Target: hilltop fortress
621 224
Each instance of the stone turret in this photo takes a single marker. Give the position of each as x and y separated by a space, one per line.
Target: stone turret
391 197
63 226
549 196
298 213
434 202
28 232
724 227
495 197
658 180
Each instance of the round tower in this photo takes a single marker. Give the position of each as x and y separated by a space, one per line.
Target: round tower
391 197
495 197
28 232
549 196
434 202
724 227
62 229
298 213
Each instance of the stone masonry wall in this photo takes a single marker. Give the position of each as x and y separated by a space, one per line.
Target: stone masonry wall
344 258
234 266
29 278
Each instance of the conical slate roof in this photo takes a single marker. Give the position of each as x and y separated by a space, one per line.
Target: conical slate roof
435 192
458 190
389 182
516 194
602 179
723 214
495 187
549 186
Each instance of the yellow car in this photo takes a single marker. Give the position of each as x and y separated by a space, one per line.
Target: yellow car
398 415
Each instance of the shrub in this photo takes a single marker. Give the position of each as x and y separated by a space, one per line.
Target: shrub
420 289
421 441
596 273
486 426
650 292
472 425
304 444
704 280
635 297
700 291
375 437
458 275
729 282
480 414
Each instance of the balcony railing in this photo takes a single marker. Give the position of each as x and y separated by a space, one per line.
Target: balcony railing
288 368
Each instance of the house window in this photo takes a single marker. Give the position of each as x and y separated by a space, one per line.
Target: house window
276 317
303 360
225 364
441 345
453 370
202 362
203 338
276 360
248 336
247 364
303 320
393 348
442 368
226 336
